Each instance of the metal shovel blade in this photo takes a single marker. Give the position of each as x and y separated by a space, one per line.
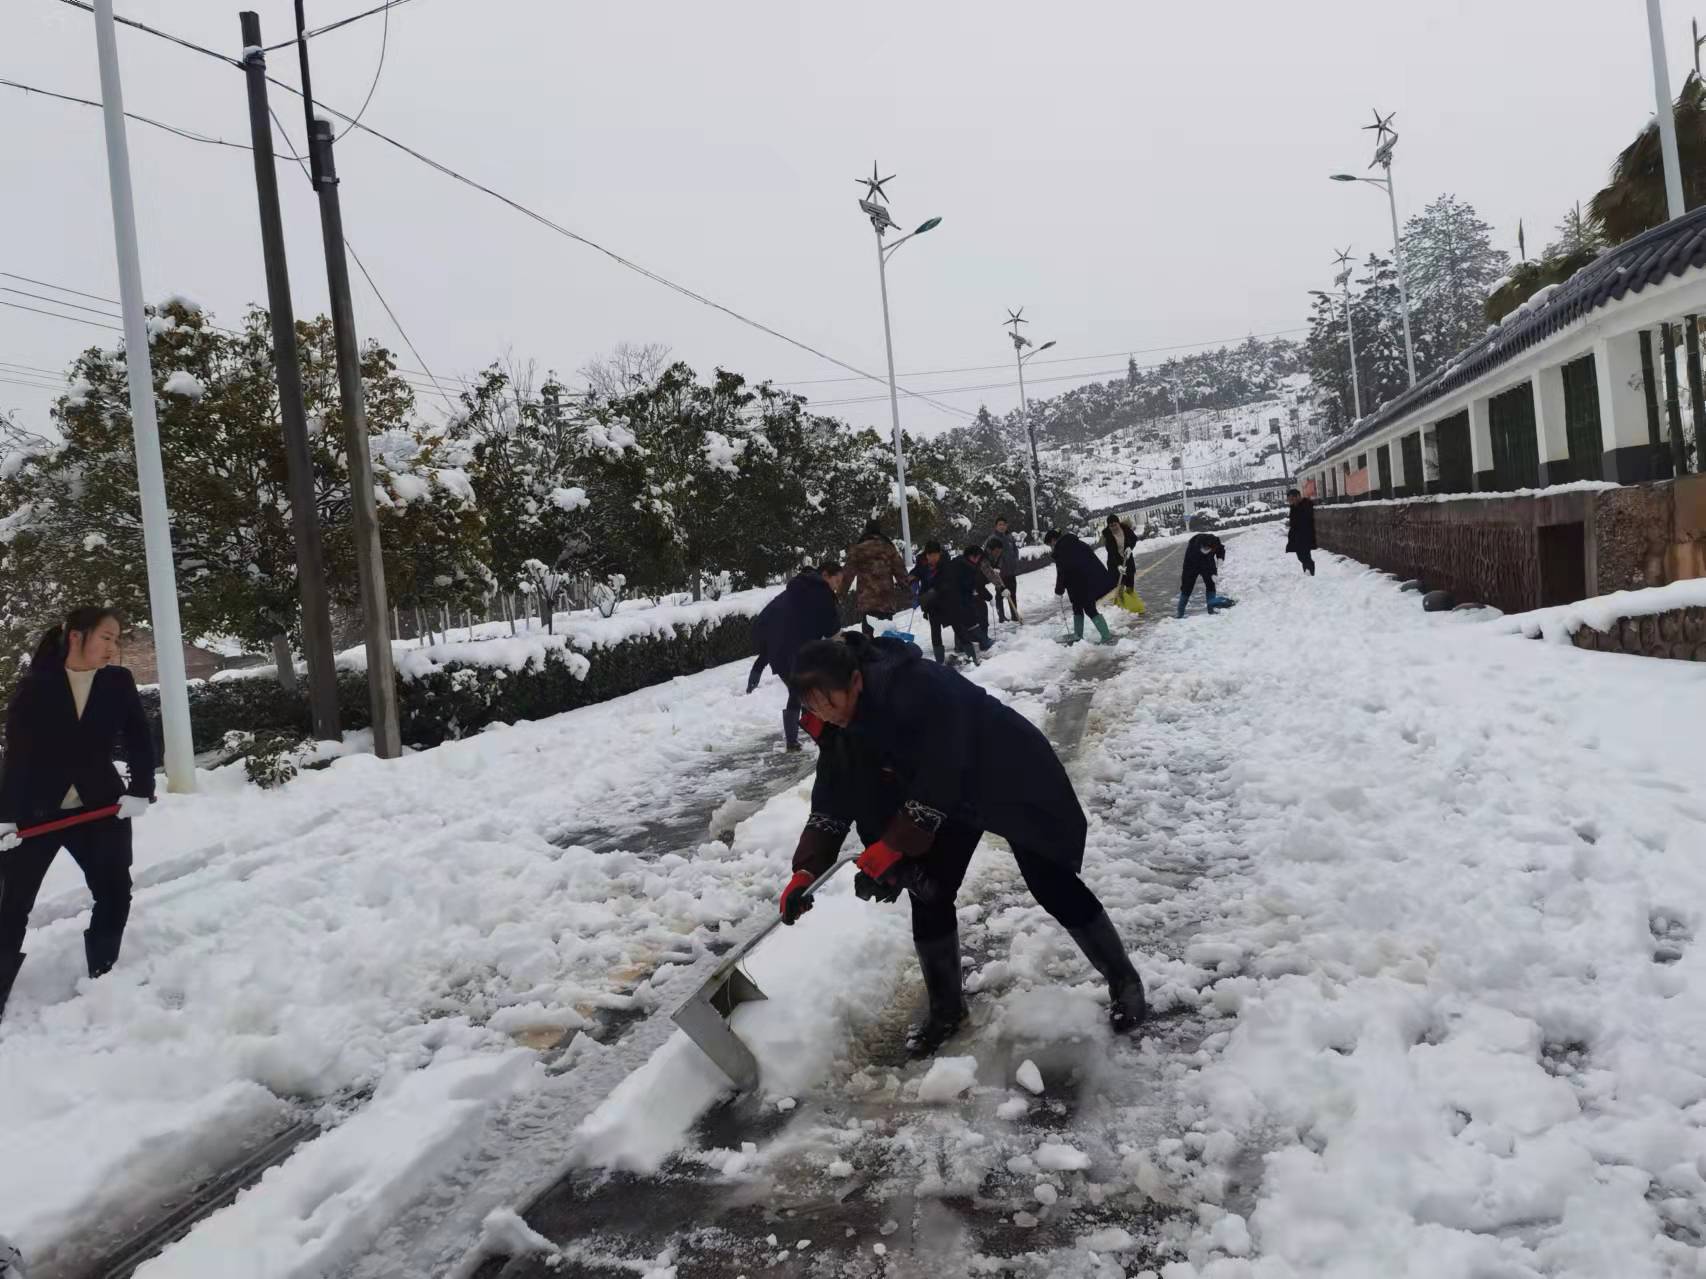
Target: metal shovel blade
704 1016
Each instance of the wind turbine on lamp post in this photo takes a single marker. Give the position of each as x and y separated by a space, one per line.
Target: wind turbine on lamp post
874 205
1385 140
1020 342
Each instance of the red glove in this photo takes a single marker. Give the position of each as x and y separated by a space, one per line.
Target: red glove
879 859
812 724
795 901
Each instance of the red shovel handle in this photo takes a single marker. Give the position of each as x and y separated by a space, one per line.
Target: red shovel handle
77 819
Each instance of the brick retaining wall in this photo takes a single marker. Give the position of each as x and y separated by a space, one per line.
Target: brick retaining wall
1679 634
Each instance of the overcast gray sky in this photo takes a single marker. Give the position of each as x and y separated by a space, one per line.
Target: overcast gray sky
1136 175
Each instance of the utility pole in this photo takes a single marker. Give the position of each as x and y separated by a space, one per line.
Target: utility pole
1666 113
370 560
364 515
145 427
1020 342
1285 466
310 565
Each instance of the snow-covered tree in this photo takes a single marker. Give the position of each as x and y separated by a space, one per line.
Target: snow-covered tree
1450 264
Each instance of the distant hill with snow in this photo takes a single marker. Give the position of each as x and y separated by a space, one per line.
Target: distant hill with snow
1213 446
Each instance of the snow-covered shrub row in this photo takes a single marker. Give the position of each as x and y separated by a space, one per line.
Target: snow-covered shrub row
455 699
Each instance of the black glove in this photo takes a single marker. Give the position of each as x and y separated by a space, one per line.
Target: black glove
914 876
874 890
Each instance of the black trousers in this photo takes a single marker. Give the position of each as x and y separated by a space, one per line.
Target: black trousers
1307 560
1058 891
101 848
1189 583
936 639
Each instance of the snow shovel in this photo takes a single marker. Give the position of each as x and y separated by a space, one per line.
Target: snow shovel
894 632
704 1017
62 823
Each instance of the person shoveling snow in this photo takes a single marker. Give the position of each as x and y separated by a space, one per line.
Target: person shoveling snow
923 762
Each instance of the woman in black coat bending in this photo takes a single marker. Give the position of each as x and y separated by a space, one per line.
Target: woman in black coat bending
923 762
1081 577
73 712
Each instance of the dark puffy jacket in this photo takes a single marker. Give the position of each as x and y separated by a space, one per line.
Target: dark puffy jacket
959 586
1300 526
927 745
1078 574
804 611
49 749
1202 554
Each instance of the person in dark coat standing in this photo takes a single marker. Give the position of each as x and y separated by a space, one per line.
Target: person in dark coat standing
1202 553
923 762
72 714
960 600
1007 566
925 572
1300 530
876 574
804 611
1083 579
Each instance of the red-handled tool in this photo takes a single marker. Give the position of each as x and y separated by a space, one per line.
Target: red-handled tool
76 819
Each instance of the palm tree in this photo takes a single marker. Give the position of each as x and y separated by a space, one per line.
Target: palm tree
1634 200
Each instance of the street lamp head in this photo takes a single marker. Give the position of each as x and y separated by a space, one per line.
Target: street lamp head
1045 346
931 225
1343 177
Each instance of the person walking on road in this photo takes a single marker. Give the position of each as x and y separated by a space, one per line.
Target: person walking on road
804 611
926 570
1300 530
1083 579
1201 554
923 762
72 714
1008 566
876 575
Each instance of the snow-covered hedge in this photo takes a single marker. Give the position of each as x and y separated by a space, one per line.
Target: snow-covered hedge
452 699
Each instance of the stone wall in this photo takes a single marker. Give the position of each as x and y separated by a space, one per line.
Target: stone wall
1678 634
1523 552
1481 550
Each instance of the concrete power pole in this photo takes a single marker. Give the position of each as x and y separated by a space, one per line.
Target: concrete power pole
370 562
150 473
310 563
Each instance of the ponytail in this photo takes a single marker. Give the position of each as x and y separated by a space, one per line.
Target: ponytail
51 650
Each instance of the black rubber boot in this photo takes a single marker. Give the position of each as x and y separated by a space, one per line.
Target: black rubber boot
940 960
1101 944
9 965
101 951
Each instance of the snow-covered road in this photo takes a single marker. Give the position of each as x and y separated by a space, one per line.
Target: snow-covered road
1415 898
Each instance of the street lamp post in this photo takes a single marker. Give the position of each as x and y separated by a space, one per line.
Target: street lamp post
873 205
150 474
1383 157
1020 342
1285 466
1674 205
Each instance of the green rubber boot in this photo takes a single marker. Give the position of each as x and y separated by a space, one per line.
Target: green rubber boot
1077 627
1102 628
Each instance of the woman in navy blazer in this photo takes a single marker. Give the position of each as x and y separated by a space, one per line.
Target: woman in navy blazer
73 713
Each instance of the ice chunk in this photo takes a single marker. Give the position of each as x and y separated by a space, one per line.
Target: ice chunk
1108 1239
1058 1157
947 1078
1029 1077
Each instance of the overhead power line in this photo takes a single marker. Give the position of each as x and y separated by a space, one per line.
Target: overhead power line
541 218
190 134
341 22
19 306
